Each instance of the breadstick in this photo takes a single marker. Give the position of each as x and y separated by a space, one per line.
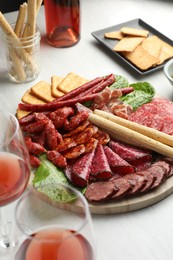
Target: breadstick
30 26
148 131
129 136
10 33
17 68
39 3
20 20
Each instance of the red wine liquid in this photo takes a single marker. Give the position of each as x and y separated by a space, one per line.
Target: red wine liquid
68 248
62 22
14 176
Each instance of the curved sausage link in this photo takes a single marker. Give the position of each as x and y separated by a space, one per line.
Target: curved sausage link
53 137
57 159
75 121
33 148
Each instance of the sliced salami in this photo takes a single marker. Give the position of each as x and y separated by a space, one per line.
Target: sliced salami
150 180
100 167
165 165
159 173
139 180
100 191
117 164
123 186
135 156
81 169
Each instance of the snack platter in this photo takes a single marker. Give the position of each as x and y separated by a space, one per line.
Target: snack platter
139 193
136 23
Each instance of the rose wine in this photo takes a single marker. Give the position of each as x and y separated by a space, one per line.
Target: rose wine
14 176
62 22
55 245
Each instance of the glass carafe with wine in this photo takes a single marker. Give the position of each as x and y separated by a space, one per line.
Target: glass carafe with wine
59 224
14 169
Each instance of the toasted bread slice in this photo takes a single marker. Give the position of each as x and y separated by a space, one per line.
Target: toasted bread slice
128 44
55 81
117 35
153 45
141 58
43 91
70 82
134 32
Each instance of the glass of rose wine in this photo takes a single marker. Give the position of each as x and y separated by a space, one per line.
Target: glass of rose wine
59 225
14 169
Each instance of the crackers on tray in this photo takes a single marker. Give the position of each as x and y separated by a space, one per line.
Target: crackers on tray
43 92
139 48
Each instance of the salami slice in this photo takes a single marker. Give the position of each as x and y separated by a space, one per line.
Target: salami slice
135 156
102 137
150 180
100 191
159 173
74 152
81 169
117 164
165 165
139 180
100 167
123 186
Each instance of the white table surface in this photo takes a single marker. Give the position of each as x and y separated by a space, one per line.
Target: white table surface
145 234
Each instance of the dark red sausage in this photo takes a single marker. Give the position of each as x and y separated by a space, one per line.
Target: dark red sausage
33 148
34 161
53 106
74 152
27 119
57 159
35 127
53 137
75 121
80 89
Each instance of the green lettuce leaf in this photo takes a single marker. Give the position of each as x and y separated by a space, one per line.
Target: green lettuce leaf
48 173
121 82
143 93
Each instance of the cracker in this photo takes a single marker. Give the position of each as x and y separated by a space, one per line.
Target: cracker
29 98
128 44
55 81
134 32
21 113
117 35
43 91
70 82
166 52
153 45
141 58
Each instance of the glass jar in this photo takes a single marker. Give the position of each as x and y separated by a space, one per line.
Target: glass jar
62 22
23 57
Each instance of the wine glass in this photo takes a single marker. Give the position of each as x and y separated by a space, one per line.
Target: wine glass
14 169
59 225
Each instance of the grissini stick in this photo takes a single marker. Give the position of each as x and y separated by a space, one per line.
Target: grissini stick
25 56
30 26
129 136
148 131
21 19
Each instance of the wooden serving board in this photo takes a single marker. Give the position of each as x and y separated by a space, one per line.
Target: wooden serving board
135 203
130 204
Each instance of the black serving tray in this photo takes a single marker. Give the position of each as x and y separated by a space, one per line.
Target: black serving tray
136 23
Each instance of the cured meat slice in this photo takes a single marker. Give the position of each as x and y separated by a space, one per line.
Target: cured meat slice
137 181
77 130
143 166
74 152
85 136
65 144
91 145
150 180
123 186
165 165
81 169
167 126
100 191
100 167
102 137
131 154
159 173
57 159
117 164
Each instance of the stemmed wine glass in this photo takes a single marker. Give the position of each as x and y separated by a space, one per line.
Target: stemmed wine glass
14 168
59 225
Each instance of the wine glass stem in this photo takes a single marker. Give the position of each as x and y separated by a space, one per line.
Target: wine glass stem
5 241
